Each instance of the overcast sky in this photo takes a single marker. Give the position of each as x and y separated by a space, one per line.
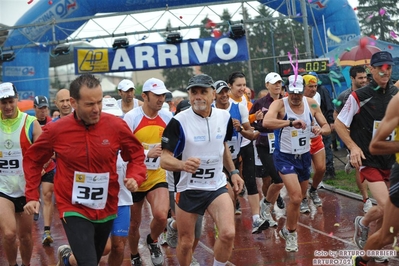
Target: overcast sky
12 10
9 15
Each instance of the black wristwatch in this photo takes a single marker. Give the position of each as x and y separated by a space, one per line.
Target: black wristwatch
291 120
241 129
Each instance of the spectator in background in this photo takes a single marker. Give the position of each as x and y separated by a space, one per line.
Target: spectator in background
170 101
63 104
55 114
127 102
41 105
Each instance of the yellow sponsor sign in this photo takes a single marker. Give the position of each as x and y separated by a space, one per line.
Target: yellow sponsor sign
92 60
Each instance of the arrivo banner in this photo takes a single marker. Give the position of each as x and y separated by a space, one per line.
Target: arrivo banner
146 56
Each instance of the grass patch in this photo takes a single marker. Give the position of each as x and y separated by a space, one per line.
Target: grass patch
344 181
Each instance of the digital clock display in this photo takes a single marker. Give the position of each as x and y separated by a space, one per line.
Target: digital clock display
318 65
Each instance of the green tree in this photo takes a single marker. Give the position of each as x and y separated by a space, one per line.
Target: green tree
177 78
221 71
270 40
376 18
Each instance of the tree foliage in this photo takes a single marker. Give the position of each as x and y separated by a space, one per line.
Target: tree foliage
176 78
269 41
221 71
377 17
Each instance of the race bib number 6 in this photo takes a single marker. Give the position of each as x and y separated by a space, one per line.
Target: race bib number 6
391 136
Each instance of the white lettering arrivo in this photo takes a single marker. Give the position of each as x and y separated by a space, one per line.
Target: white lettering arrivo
171 55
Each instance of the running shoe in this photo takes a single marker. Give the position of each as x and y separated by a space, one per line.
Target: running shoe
194 262
381 259
348 166
367 205
304 208
291 240
358 261
361 233
265 213
47 238
63 252
259 225
280 202
314 196
171 234
136 261
156 254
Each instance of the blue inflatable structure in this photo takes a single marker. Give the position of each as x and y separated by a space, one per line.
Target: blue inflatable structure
30 68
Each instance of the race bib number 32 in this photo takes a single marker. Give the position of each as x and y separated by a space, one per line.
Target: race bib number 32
90 189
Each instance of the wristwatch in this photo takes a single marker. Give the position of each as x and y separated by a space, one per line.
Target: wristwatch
241 129
235 171
291 120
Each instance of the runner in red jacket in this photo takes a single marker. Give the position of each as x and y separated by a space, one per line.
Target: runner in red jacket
86 144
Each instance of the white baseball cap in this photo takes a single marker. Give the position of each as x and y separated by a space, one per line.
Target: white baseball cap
273 77
126 85
110 106
155 86
295 84
7 90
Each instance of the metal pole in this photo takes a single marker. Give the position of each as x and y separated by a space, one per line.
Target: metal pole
306 28
273 49
250 77
325 34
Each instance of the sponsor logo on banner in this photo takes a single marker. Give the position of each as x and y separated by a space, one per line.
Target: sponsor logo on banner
15 71
161 55
92 60
58 10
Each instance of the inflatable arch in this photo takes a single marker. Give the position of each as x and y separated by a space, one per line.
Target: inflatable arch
30 69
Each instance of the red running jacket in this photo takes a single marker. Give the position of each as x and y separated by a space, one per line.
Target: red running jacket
78 147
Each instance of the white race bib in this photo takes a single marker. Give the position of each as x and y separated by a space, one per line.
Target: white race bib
270 137
151 163
300 140
376 124
204 177
90 189
11 162
234 147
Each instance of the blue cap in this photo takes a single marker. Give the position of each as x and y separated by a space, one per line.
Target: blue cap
381 58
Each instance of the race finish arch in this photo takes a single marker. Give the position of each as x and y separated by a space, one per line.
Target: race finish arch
30 68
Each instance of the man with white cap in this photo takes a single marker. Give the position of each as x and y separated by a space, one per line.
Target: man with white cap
18 132
292 117
148 123
127 102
